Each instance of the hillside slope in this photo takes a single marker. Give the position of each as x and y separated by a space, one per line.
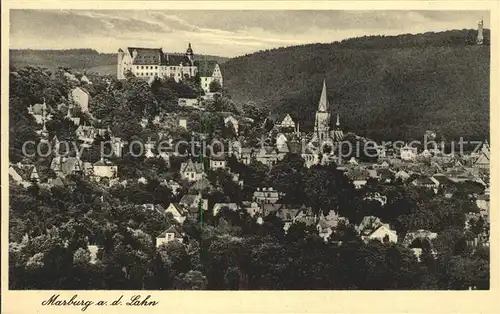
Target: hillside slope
78 59
383 87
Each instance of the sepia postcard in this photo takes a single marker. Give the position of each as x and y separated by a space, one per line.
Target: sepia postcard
314 156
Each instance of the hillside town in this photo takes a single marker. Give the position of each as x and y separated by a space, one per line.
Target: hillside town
159 166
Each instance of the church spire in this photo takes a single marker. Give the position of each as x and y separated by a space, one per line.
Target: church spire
323 103
338 120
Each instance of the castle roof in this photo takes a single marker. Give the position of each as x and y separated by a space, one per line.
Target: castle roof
176 60
206 68
147 56
156 56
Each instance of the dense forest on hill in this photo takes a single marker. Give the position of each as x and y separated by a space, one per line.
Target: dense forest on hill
77 59
384 87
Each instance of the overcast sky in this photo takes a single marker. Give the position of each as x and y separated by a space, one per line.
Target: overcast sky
223 33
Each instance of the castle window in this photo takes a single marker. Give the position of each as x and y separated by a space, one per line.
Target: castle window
156 67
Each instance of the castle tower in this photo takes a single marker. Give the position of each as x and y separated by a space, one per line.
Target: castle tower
190 54
322 122
120 75
480 37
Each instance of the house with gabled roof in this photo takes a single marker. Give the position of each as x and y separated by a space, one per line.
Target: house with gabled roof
63 166
209 71
177 211
193 204
402 175
154 208
282 143
408 153
218 161
483 161
231 122
268 155
20 176
63 182
104 169
93 250
80 97
383 164
419 235
287 215
190 200
202 185
426 182
266 195
371 228
171 234
384 234
269 208
246 155
359 177
287 122
252 208
218 206
172 185
306 216
86 134
41 112
192 171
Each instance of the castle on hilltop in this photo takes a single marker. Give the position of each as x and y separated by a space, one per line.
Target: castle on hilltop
149 63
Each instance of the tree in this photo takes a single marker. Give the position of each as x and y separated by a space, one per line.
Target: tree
327 189
215 86
192 280
175 257
288 177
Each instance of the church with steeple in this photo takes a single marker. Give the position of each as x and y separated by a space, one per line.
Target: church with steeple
322 118
322 132
324 136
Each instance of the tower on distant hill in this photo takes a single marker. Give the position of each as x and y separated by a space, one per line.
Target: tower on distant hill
480 38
